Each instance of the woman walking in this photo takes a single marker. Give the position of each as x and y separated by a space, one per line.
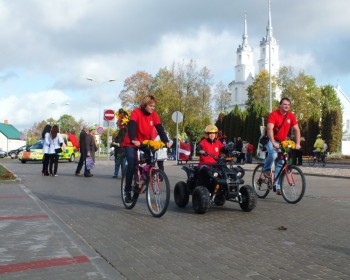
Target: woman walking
56 143
45 136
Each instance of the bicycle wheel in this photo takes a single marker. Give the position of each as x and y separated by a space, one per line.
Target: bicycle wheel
293 184
158 193
260 182
134 190
312 160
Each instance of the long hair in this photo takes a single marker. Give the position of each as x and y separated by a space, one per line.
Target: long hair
54 131
46 129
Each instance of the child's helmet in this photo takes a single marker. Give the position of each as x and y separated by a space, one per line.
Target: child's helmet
210 129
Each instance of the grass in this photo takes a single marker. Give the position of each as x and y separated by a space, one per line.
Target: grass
5 174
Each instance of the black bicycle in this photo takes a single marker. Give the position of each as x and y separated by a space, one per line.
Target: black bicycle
318 157
291 179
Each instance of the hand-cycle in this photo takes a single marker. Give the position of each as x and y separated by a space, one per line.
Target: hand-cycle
150 180
291 179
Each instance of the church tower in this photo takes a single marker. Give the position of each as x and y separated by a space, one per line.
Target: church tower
269 49
244 71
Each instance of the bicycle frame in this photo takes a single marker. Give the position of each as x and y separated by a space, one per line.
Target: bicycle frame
290 178
150 180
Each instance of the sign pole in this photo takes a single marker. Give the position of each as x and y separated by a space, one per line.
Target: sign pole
108 141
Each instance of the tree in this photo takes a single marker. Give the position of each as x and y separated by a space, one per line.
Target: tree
222 97
259 90
331 121
135 87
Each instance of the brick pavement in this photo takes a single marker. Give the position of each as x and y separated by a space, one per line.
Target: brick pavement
225 243
36 245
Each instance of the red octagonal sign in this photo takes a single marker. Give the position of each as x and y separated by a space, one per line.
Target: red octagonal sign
108 115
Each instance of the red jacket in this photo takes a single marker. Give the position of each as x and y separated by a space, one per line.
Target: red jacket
213 148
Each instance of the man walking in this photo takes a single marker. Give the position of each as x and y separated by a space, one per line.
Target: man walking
82 138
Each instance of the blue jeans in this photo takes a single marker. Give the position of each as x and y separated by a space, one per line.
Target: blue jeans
119 161
130 154
272 157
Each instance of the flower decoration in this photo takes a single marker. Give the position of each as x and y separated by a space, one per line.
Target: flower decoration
123 117
153 144
287 145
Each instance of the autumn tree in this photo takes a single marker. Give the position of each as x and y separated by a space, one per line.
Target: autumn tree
136 86
222 97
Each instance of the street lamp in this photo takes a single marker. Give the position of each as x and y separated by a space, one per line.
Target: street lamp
99 100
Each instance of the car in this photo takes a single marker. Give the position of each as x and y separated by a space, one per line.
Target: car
3 154
35 152
14 153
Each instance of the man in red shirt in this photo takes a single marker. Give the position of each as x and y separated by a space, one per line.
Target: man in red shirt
279 122
142 122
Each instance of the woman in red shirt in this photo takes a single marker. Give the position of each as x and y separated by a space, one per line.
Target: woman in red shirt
140 127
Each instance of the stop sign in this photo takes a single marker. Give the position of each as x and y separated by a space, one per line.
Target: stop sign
108 115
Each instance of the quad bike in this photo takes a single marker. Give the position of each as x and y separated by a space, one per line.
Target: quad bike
214 184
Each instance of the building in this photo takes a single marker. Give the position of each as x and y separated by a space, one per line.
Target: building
10 137
245 70
269 49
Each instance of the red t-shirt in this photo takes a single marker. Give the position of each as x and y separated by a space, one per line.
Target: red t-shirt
211 148
145 124
276 118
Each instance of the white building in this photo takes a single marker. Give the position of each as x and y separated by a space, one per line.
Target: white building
245 70
269 49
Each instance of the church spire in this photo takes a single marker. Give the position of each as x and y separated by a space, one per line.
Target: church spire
245 33
269 34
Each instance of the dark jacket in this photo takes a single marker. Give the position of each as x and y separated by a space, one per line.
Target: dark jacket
82 142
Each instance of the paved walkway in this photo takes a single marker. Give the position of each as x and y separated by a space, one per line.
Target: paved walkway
76 228
35 244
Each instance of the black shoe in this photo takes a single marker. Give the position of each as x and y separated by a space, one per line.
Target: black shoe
88 175
128 197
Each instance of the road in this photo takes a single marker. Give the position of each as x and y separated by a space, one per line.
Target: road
224 243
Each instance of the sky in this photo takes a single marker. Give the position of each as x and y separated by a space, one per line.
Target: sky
49 49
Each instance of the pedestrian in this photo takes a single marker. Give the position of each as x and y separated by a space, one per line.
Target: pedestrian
140 128
119 154
173 148
279 123
82 138
249 154
298 154
45 136
239 148
56 142
91 148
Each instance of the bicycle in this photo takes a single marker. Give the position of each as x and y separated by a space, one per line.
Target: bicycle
291 179
319 157
150 180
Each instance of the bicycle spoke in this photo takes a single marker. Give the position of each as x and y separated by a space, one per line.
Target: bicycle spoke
293 184
158 193
260 183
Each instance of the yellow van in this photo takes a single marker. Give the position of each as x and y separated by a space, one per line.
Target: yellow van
35 152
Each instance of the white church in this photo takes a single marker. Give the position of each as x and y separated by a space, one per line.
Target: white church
245 75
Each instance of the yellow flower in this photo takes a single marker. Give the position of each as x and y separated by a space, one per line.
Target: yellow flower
155 145
288 145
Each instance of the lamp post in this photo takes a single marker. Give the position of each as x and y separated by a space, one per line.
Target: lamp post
99 107
99 100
